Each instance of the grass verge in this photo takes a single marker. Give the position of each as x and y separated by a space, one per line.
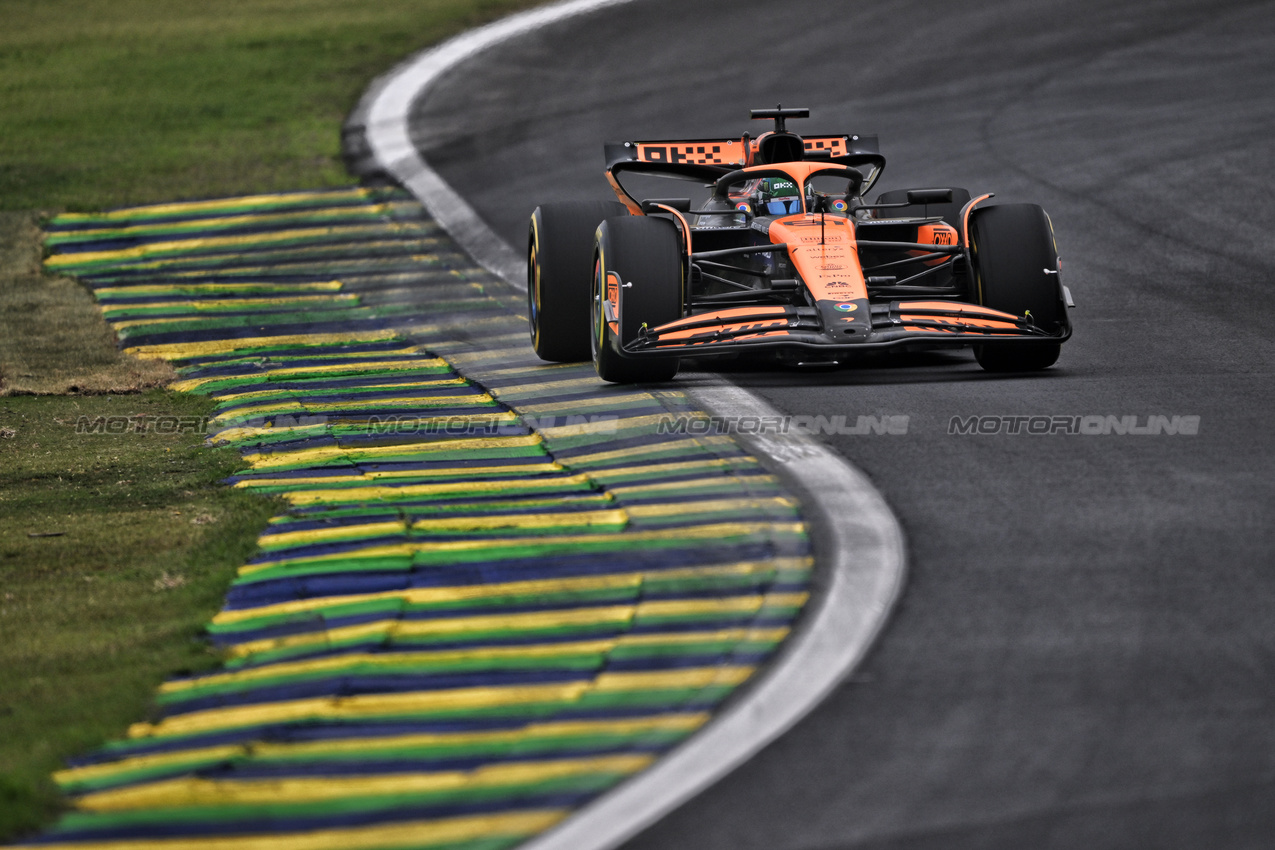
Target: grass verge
112 103
115 549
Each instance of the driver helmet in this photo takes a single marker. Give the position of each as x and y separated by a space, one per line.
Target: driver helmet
780 195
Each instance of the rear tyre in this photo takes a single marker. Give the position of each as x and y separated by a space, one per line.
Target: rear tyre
638 265
951 212
559 275
1012 248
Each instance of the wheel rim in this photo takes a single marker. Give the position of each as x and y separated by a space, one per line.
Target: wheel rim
595 308
533 293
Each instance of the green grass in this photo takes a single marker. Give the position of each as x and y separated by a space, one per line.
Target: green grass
114 551
110 103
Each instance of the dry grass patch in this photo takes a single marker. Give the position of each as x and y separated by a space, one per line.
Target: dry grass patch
53 338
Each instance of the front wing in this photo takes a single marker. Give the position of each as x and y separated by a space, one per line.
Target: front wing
898 323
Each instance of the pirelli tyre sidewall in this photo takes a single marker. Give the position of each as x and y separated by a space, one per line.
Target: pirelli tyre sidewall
559 276
1015 269
638 268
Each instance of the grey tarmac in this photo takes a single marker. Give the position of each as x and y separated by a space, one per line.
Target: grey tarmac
1085 653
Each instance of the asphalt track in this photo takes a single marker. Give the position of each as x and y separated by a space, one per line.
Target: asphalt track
1084 654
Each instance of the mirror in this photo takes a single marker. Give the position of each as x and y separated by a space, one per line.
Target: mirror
930 196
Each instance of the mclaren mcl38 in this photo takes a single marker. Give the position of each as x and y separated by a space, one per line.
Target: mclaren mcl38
769 245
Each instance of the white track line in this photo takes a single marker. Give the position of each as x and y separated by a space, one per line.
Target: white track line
858 540
388 104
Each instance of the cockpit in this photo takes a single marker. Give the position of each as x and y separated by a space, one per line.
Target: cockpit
786 191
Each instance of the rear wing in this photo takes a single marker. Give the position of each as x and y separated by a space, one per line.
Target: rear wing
731 154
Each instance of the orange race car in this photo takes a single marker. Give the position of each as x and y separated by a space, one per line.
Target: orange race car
778 250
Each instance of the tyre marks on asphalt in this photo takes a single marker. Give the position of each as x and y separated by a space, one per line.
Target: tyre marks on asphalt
500 588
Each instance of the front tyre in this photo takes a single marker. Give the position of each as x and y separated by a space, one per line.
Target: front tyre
1015 264
559 274
637 282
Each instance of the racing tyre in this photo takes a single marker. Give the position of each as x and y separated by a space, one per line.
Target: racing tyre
559 274
1013 252
637 278
951 212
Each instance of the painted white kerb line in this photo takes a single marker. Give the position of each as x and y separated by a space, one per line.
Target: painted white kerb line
864 556
391 141
858 538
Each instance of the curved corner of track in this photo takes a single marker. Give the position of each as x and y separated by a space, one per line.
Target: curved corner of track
859 542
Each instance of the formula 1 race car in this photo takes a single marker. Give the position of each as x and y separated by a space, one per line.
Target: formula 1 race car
781 252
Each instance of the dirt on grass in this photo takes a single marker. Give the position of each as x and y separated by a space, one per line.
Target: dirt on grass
53 339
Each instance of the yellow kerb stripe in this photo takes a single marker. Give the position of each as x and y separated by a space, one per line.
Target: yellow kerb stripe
726 465
619 400
658 723
233 397
673 509
322 453
389 475
365 706
497 348
211 303
215 205
685 533
230 435
90 772
616 615
538 369
223 222
547 388
319 535
350 366
360 746
605 426
196 791
409 491
607 518
680 486
650 448
195 288
466 593
353 663
176 350
181 246
361 403
362 661
406 835
612 519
